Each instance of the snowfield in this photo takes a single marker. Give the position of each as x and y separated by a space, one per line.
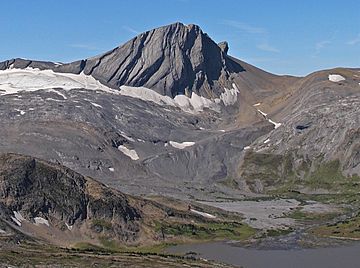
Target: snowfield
40 220
30 79
194 104
336 78
13 81
229 97
130 153
181 145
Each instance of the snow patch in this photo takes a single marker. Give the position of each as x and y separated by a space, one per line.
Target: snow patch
20 111
257 104
57 92
274 123
31 79
96 105
18 219
70 227
111 169
266 141
40 220
130 153
194 104
221 130
127 137
247 148
336 78
181 145
268 119
2 231
264 114
204 214
229 97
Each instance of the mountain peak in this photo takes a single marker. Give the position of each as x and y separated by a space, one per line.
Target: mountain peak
173 59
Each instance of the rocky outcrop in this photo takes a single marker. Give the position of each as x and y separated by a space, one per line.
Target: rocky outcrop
31 189
175 59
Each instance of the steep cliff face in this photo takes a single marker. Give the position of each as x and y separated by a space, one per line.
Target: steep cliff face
174 59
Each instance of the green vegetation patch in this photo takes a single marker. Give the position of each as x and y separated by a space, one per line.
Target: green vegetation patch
300 215
207 231
344 229
278 232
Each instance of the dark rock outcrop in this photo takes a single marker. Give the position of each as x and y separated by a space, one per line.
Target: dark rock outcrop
36 188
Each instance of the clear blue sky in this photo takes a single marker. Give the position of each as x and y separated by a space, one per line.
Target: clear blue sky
280 36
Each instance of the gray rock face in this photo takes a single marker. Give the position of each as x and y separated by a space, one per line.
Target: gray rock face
171 60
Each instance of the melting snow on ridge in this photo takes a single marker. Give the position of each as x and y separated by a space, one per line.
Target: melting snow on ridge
32 79
229 97
130 153
40 220
336 78
181 145
274 123
196 103
268 119
57 92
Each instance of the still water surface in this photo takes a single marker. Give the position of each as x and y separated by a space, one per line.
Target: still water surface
333 257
